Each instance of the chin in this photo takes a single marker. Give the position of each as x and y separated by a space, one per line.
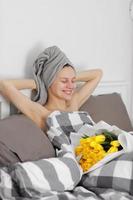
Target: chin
68 98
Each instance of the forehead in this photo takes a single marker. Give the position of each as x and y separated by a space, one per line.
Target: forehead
67 72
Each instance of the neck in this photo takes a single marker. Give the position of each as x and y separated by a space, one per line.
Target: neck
56 104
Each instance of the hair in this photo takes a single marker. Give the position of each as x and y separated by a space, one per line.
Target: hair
68 65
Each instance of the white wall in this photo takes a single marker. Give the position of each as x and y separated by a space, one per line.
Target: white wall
93 33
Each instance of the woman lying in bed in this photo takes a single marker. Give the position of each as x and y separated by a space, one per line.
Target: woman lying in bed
53 86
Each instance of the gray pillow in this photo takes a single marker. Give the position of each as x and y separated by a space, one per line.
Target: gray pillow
7 157
23 137
109 108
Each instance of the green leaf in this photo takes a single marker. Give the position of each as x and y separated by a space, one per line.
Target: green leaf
85 136
109 136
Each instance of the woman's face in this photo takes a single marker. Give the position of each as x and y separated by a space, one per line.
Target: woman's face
64 84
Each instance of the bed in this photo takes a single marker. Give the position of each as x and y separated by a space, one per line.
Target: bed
28 171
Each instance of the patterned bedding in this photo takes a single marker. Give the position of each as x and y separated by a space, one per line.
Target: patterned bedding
61 178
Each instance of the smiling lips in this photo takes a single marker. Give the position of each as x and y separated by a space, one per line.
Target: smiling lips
68 92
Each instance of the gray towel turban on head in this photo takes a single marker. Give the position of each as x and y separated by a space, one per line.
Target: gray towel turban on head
45 68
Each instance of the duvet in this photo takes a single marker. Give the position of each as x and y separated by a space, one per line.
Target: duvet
62 178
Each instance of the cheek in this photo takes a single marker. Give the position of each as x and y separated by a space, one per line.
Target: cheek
61 86
57 87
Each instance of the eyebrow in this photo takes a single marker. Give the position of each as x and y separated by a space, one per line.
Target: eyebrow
67 77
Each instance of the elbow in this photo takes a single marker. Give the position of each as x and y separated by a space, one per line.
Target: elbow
4 84
99 73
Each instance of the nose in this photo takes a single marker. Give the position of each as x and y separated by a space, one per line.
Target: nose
70 85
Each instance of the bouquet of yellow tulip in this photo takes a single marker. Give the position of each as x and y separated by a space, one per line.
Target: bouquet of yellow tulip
94 148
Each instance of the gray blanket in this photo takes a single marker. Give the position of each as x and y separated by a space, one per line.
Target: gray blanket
61 178
45 68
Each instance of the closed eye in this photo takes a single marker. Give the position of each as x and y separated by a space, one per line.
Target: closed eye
64 81
67 80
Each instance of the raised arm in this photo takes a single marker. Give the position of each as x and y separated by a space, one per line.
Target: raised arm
21 83
91 79
9 89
